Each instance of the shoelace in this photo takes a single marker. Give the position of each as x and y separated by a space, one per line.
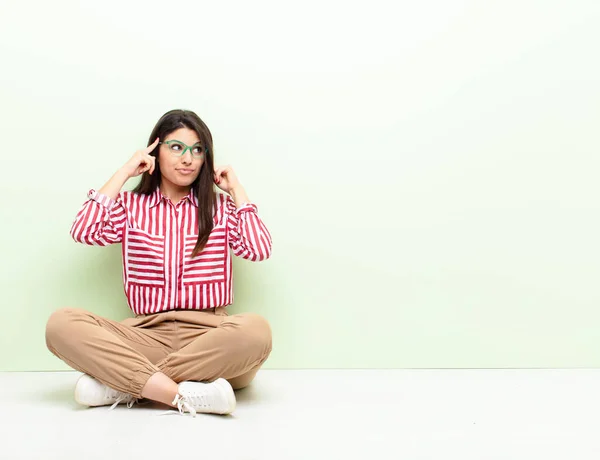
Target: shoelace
182 403
130 403
188 403
111 393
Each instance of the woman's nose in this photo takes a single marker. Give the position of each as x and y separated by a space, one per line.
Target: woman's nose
187 157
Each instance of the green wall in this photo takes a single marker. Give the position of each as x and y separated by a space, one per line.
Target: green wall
429 172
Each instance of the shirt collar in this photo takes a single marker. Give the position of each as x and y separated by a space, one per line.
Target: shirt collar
157 196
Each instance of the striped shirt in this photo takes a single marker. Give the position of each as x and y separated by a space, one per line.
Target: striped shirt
157 240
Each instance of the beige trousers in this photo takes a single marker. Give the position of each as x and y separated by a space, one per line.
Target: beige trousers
195 345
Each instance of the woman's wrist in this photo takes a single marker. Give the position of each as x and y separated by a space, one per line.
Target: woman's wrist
239 195
115 184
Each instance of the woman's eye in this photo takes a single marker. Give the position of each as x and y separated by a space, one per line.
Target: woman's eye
197 150
176 146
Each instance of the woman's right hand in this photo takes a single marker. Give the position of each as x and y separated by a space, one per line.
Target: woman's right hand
141 161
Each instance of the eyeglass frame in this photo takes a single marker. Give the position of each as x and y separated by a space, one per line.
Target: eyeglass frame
171 141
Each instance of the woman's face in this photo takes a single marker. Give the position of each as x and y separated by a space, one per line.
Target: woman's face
181 170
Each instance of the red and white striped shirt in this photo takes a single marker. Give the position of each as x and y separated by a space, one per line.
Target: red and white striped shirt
158 237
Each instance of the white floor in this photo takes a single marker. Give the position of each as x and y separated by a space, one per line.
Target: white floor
334 414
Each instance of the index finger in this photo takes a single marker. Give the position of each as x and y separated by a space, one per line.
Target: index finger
151 146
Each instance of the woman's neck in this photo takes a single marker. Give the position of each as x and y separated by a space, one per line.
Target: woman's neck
173 192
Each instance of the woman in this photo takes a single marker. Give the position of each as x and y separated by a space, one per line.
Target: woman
182 348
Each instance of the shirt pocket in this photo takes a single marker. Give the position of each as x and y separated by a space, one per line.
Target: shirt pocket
145 255
209 265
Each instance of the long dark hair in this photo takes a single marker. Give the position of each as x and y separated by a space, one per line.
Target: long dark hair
203 186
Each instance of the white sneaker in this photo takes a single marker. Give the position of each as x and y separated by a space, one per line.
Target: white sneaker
210 398
91 392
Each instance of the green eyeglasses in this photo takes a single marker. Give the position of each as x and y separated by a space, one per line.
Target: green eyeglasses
178 148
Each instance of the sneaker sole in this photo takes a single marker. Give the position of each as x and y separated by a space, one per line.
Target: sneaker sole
76 393
227 392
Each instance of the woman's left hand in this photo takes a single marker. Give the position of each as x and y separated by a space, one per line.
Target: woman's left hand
226 179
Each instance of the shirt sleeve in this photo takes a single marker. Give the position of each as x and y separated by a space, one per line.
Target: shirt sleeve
247 233
100 220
